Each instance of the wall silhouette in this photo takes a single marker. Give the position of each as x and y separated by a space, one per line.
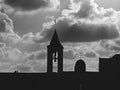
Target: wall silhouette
110 65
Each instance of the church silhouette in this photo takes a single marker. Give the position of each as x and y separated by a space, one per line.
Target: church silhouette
55 54
106 79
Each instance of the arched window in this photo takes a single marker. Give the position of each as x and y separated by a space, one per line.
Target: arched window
80 66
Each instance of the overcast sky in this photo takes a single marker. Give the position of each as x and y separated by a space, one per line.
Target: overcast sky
88 29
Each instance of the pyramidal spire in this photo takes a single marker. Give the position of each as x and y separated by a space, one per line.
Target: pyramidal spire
55 39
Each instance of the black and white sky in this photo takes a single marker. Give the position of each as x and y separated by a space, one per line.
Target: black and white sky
88 29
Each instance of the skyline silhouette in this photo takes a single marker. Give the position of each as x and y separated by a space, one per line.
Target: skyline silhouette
106 79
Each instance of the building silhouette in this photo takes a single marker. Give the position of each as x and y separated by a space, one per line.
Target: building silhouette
55 54
110 65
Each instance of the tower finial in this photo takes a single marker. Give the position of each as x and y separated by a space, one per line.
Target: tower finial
55 23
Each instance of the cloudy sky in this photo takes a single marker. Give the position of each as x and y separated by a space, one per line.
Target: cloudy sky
88 29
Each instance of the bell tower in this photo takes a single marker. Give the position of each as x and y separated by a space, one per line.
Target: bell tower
55 54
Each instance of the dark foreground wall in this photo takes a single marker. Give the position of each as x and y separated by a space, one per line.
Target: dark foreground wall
64 81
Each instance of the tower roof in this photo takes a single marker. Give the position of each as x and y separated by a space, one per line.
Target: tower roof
55 40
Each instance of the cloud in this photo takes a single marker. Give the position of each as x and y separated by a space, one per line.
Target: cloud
84 22
32 5
15 50
88 9
12 56
26 43
2 26
6 24
103 49
82 32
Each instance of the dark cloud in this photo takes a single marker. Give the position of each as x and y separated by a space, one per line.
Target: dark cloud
82 32
4 22
2 26
27 5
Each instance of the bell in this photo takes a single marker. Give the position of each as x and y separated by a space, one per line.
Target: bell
55 57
